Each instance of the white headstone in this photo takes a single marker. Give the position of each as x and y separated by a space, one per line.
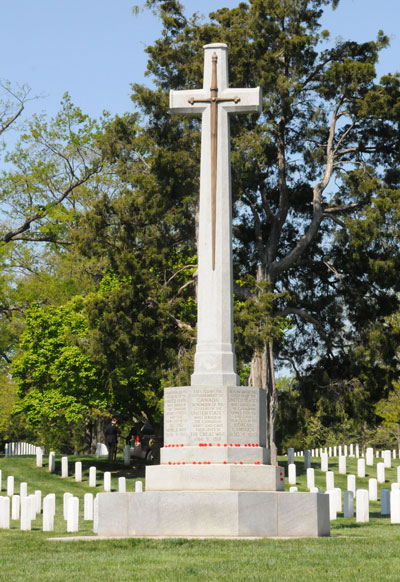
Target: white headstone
348 504
329 451
357 451
293 489
395 506
88 507
394 486
4 512
107 481
15 504
332 504
342 465
66 497
345 450
52 461
73 515
92 477
398 474
23 489
362 506
330 480
122 484
310 478
394 453
340 451
138 486
10 485
351 484
26 512
314 490
95 514
387 459
351 451
292 474
373 489
64 467
39 457
78 471
335 451
101 450
324 462
49 504
385 502
380 472
361 468
369 456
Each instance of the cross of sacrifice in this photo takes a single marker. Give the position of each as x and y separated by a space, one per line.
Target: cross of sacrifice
215 362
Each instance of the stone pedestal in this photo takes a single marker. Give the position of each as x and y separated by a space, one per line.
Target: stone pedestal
214 514
213 479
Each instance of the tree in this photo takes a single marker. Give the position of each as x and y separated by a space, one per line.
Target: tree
58 383
53 174
12 104
308 174
50 166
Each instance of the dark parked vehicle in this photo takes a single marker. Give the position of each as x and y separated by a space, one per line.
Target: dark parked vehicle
142 439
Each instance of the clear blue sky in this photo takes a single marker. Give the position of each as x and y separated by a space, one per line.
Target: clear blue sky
94 49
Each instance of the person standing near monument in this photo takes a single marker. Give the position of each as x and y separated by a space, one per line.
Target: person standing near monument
111 434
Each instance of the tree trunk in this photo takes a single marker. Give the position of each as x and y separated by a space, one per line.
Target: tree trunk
262 375
272 402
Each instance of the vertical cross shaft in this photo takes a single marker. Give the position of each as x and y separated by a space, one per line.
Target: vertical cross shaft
215 362
213 100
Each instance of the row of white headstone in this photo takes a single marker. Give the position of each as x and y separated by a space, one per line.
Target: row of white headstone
390 503
26 508
368 460
351 479
78 465
346 451
18 448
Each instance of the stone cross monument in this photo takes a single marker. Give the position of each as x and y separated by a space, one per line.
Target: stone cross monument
214 478
215 361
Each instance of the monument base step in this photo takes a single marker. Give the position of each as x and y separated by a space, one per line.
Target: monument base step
214 454
208 477
214 514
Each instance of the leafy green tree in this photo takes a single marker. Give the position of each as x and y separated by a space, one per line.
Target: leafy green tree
58 384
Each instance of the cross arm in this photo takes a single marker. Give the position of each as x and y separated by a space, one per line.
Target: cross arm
179 101
249 100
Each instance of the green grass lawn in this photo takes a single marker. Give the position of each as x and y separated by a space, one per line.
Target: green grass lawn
354 552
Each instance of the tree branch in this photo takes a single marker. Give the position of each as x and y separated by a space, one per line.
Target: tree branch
308 317
41 213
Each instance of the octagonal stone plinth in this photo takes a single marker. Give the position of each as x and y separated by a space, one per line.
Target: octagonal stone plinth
213 514
215 477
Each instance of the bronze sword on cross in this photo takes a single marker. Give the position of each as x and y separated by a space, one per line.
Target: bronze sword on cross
213 100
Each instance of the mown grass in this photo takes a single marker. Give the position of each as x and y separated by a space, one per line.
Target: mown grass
354 552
